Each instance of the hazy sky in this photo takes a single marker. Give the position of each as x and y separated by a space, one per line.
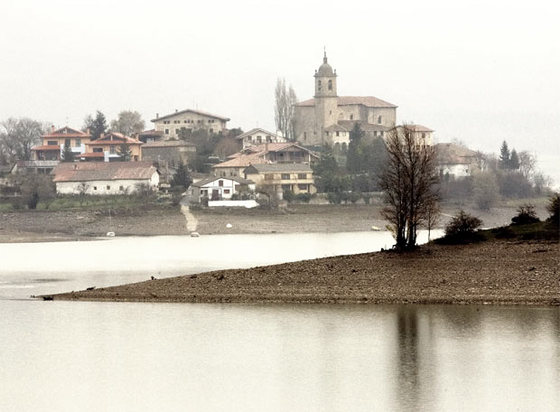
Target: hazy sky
477 71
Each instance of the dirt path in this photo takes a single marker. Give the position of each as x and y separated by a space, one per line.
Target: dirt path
192 222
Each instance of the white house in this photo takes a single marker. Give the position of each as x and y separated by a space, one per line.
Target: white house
259 136
455 161
219 188
104 178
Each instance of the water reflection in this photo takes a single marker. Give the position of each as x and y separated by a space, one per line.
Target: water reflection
408 365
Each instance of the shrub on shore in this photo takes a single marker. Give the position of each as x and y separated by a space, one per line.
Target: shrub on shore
525 215
462 229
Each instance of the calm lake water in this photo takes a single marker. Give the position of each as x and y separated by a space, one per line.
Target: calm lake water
144 356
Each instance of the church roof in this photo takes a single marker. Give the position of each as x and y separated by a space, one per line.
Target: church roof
368 101
365 126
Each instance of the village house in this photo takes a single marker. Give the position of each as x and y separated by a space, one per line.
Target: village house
109 148
328 118
104 178
148 136
265 153
455 161
258 136
189 120
171 152
219 188
53 143
280 177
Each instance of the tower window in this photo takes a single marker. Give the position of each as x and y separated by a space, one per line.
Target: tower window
319 85
330 84
351 117
378 119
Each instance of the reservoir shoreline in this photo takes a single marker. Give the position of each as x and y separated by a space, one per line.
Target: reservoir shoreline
491 272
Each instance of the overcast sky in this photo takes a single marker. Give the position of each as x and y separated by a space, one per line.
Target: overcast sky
476 71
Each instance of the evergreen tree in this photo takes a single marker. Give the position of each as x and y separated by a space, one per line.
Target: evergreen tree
124 152
67 154
182 177
504 156
97 125
354 158
514 160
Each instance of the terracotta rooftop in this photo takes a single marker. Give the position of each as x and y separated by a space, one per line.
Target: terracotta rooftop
256 130
47 147
256 154
368 101
89 171
167 116
65 132
418 128
114 138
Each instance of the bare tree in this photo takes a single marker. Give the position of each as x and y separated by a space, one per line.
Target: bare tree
408 181
284 108
18 136
128 123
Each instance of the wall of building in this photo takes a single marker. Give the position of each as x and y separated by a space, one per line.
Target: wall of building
106 187
170 126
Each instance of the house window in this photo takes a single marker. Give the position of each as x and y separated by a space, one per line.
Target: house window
375 133
327 133
268 139
220 183
94 187
285 176
121 188
351 117
66 142
302 176
78 142
226 191
97 150
302 187
269 176
211 130
259 139
381 133
108 187
52 143
378 119
330 84
286 187
423 135
166 131
338 133
112 150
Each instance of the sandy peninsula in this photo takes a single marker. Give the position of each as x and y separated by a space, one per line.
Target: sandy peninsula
491 272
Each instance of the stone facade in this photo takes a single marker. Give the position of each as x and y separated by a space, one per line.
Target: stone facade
328 118
189 120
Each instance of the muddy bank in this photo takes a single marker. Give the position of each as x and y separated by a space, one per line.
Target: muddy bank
493 272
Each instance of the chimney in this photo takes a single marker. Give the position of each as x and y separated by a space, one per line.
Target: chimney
52 128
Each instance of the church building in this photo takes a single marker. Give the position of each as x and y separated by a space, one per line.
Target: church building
328 118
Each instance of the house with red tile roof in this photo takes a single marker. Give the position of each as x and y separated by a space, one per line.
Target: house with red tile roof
53 143
289 152
258 136
109 148
104 178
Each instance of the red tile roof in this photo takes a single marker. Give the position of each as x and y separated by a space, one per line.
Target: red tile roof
47 148
89 171
65 132
113 138
256 154
368 101
92 155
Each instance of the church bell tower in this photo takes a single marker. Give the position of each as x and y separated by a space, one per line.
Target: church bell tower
326 101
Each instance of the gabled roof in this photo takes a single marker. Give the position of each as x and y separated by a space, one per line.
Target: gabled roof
368 101
418 128
65 132
281 167
112 137
90 171
167 116
256 130
450 153
257 154
211 179
151 132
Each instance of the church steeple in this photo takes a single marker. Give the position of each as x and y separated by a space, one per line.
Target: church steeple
325 79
